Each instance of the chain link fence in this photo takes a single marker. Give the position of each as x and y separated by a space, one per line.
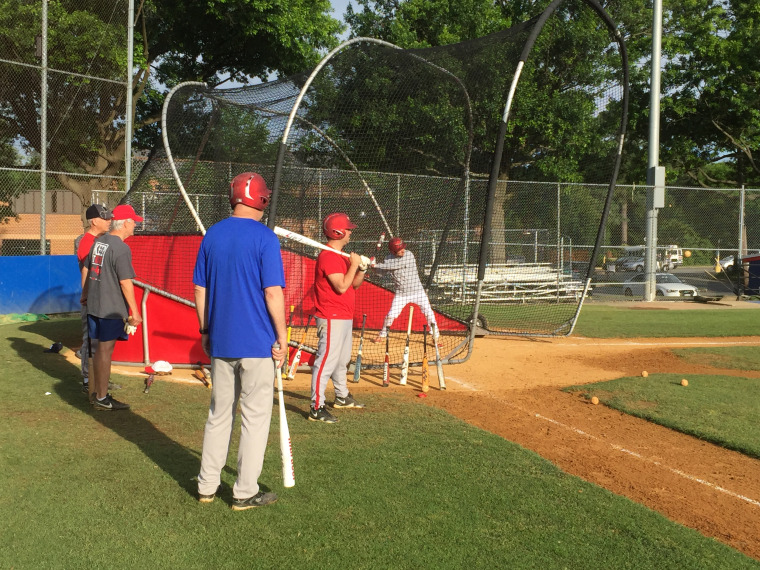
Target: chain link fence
63 100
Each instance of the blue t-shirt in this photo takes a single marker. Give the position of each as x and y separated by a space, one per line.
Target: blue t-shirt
237 260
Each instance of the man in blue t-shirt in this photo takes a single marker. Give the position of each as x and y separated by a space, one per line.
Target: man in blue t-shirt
239 280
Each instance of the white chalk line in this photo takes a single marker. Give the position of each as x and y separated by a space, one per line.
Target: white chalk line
617 447
676 344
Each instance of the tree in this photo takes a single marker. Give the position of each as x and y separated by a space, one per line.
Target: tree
557 131
212 41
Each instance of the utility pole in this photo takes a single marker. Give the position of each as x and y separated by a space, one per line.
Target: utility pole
655 172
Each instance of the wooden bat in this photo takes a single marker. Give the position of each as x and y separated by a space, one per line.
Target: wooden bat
287 234
405 362
358 365
425 367
386 364
297 357
286 449
287 345
438 364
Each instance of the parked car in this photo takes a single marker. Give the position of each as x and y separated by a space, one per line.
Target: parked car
666 285
632 263
728 262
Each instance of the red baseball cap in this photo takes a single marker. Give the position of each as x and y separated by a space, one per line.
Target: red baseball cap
125 212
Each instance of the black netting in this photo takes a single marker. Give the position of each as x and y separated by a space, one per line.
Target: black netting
403 142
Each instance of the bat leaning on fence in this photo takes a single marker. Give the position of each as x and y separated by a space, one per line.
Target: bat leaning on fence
405 362
297 357
358 364
438 364
286 449
287 345
386 365
425 366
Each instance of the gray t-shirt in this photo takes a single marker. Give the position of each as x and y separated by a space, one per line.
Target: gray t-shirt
403 271
109 262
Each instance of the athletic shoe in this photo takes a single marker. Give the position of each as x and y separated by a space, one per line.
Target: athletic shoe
347 402
209 498
378 338
321 415
85 388
109 404
260 499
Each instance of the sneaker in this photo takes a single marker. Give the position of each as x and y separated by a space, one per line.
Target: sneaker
208 498
85 388
109 404
378 338
260 499
321 415
347 402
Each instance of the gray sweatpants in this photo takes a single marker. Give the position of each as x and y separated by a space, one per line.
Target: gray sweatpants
333 355
84 357
251 382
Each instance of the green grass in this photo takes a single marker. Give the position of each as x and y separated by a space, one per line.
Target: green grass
398 485
719 409
731 357
620 322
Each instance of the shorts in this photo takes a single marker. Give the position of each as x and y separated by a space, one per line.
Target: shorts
103 329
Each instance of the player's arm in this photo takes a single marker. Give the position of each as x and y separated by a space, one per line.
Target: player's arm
342 281
275 300
128 290
85 273
201 295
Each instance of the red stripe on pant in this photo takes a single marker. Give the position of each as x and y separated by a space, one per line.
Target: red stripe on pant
317 403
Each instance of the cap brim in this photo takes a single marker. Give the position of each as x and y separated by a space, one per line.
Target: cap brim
137 218
351 226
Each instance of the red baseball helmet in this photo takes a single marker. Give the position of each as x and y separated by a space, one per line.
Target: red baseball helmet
336 224
250 189
396 244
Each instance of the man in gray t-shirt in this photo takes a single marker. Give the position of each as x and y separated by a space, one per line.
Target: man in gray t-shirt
110 298
407 285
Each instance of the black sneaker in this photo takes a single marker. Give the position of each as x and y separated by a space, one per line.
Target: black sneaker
85 388
109 404
209 498
260 499
347 402
321 415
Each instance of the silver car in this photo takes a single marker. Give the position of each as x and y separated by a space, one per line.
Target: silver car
666 285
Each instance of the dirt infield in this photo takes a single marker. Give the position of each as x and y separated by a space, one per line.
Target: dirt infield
512 387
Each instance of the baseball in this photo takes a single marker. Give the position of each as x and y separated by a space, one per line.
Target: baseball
362 214
684 382
687 253
645 373
594 400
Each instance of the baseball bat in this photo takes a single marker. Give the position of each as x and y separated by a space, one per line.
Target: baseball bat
358 365
386 364
425 367
438 364
287 345
287 234
297 357
286 449
377 249
405 362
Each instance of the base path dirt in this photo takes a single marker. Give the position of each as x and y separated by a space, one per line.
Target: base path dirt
512 387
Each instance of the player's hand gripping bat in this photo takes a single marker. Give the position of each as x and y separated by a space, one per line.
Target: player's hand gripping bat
287 346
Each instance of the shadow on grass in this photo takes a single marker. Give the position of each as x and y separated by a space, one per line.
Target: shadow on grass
179 462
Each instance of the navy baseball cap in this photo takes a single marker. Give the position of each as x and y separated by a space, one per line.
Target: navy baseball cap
98 211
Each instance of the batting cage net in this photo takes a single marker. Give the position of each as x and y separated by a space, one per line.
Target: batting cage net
403 141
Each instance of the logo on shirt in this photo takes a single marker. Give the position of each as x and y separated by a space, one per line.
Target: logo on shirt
98 253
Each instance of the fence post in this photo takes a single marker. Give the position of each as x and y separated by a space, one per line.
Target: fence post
43 125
